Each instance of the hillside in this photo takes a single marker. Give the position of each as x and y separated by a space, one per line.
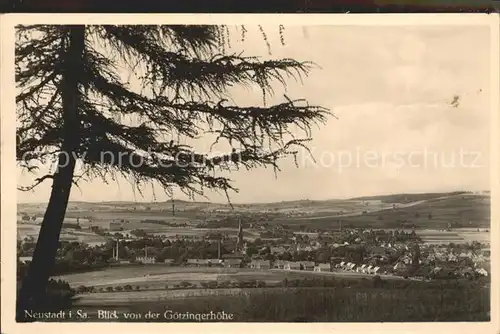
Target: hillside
430 210
459 210
407 198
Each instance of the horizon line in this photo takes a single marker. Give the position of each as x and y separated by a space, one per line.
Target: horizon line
272 202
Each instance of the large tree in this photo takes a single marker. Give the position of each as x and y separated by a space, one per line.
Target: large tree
75 105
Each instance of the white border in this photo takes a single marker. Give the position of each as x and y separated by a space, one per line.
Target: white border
8 181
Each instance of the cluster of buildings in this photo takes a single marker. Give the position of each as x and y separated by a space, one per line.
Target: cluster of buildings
233 262
364 268
378 258
289 265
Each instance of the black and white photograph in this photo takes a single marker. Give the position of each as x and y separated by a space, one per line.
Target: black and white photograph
251 171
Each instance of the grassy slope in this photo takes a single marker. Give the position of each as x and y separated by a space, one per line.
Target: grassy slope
358 301
444 210
401 198
444 207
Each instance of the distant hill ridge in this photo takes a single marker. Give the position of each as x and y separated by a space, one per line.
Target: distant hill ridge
401 198
390 198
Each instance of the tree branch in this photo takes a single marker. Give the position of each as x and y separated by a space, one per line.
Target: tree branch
37 182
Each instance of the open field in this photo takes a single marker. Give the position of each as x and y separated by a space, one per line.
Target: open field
408 301
464 209
128 297
158 275
32 230
454 236
426 211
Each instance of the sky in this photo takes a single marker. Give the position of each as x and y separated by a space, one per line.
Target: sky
396 128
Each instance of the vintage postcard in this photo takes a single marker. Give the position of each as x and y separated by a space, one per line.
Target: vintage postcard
170 171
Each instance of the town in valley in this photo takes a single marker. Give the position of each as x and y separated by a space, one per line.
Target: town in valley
174 249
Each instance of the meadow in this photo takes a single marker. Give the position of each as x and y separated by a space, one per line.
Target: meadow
156 276
362 302
31 230
466 210
455 236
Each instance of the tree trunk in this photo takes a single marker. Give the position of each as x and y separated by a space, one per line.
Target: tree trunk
33 290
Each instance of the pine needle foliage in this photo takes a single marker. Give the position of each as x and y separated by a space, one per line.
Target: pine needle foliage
177 88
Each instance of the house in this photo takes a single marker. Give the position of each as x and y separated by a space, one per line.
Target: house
406 259
279 264
25 259
484 265
361 268
232 263
214 262
169 262
307 265
292 266
482 272
400 266
145 259
323 267
260 264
